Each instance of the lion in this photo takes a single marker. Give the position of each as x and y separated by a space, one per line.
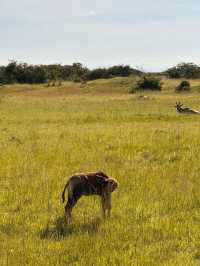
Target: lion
87 184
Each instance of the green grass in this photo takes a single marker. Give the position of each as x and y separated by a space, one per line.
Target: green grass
47 134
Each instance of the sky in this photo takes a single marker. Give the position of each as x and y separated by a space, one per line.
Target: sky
151 35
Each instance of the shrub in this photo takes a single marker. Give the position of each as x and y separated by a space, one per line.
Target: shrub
183 86
149 83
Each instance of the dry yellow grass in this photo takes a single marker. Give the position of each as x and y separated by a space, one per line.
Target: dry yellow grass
47 134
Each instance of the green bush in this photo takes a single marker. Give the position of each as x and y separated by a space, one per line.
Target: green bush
149 83
183 86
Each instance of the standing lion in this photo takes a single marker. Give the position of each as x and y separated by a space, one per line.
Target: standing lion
86 184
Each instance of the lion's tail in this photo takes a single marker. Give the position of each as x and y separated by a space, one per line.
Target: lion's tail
63 193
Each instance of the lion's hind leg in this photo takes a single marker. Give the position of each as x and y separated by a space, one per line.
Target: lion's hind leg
73 197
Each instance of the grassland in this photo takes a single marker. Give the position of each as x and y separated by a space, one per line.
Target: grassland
47 134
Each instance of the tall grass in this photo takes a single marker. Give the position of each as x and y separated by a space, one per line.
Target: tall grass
47 134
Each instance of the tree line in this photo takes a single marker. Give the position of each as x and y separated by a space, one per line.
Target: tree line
184 70
16 72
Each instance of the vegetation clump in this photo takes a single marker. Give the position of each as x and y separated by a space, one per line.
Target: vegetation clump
149 83
184 70
114 71
183 86
16 72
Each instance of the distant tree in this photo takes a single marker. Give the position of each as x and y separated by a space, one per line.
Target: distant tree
23 73
66 72
78 72
30 74
2 75
98 73
114 71
53 71
120 70
10 72
39 74
184 70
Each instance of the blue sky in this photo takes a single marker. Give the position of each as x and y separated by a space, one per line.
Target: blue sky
149 34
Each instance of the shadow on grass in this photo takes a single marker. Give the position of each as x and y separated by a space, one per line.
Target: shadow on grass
61 229
8 229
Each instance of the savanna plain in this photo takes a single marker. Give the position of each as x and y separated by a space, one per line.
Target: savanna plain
49 133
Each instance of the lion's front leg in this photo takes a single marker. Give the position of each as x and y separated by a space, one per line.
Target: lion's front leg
103 206
106 204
